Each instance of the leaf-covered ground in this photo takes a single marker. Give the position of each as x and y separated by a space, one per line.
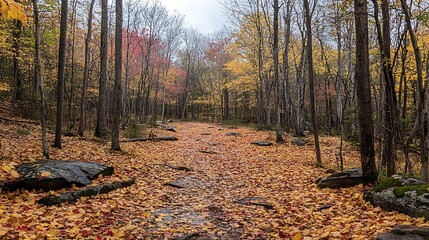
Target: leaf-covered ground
224 169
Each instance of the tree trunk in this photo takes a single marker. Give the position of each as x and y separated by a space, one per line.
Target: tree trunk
339 76
61 68
100 130
279 137
155 98
311 82
390 104
225 104
421 118
86 72
363 89
39 79
17 75
70 106
299 128
286 91
117 89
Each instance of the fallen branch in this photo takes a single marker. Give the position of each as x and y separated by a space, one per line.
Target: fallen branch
18 120
175 184
207 152
73 196
154 139
179 168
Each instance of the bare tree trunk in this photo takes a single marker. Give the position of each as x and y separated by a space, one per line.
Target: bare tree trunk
39 79
311 83
286 87
86 72
339 76
279 137
265 120
61 68
363 89
225 94
299 128
117 89
70 106
100 130
155 99
17 75
403 82
421 119
301 69
390 124
126 105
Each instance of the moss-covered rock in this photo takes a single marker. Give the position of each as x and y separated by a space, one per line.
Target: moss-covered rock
388 183
420 190
403 194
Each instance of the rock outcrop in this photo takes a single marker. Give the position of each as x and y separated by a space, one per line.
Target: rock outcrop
403 194
404 232
56 174
347 178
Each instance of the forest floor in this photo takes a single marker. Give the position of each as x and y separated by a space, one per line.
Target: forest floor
225 169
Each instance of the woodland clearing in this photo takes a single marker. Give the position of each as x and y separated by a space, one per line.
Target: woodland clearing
224 168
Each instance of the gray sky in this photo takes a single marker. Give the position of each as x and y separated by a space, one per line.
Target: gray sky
205 15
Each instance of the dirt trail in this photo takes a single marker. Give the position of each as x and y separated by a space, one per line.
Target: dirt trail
225 168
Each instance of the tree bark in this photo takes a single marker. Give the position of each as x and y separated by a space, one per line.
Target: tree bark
363 90
117 89
61 68
279 137
39 79
340 73
86 72
390 104
225 104
72 44
311 82
286 91
17 75
100 130
421 119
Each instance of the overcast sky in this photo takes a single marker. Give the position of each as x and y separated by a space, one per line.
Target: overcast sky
205 15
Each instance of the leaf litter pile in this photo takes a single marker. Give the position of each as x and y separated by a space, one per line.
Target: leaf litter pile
210 184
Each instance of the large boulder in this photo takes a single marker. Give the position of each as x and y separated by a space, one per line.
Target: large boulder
405 232
56 174
344 179
406 195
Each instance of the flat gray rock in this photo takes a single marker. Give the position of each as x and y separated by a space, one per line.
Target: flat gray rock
299 142
233 134
405 232
347 178
262 143
56 174
169 128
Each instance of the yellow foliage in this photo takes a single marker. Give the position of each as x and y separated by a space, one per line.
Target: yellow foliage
4 87
9 9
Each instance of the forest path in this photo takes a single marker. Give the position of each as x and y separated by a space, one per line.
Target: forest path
225 169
